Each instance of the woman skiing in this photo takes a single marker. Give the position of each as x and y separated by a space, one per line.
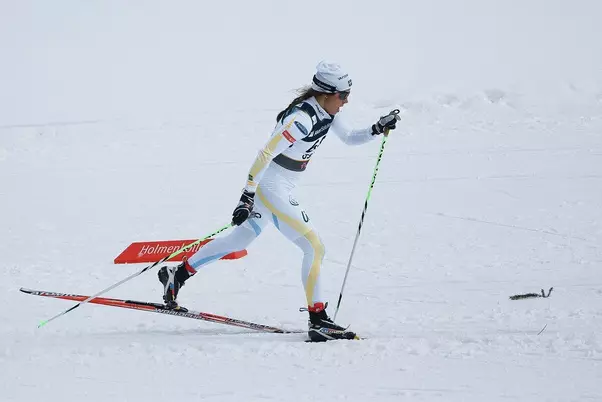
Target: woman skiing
268 194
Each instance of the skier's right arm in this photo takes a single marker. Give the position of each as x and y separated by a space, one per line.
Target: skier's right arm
293 128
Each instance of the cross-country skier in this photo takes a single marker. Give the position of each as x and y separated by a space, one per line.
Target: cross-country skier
268 195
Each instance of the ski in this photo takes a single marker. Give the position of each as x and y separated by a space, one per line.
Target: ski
161 309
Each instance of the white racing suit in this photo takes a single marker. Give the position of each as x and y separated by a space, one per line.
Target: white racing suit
273 177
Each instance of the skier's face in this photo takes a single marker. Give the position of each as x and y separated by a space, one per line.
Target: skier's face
333 103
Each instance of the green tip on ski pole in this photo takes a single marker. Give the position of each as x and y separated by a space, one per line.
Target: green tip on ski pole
40 325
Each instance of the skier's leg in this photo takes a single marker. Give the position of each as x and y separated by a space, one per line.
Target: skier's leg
238 239
313 255
294 223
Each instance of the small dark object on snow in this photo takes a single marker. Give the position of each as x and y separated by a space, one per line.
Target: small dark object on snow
532 295
543 329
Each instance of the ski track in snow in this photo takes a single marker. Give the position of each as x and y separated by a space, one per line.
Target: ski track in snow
483 193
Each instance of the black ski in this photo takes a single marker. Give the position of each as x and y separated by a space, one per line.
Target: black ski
161 309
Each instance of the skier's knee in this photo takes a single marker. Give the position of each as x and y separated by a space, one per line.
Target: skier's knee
317 245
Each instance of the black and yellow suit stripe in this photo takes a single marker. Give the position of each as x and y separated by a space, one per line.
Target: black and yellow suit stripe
267 153
304 230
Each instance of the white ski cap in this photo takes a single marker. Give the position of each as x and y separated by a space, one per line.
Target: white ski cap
330 78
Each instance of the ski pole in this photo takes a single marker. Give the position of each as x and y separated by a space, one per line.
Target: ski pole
175 253
359 229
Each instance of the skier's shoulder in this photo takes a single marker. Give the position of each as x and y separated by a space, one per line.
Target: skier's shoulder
307 113
302 115
314 110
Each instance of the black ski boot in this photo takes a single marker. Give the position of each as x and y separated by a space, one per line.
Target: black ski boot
322 328
173 279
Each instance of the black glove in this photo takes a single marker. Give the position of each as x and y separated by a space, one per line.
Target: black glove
243 209
386 123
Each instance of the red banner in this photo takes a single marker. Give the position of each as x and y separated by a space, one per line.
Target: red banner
153 251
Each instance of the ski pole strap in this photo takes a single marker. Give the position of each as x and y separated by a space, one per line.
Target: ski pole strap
394 112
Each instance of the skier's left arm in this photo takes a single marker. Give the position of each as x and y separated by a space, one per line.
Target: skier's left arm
361 136
350 136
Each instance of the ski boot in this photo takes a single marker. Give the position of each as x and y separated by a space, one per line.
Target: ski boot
322 328
173 279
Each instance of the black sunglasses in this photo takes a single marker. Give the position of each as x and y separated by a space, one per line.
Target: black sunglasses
344 95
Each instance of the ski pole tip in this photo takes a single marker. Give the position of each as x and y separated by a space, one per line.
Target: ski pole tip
40 325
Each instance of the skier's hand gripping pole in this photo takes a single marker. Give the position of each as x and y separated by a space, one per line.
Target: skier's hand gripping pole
383 126
182 250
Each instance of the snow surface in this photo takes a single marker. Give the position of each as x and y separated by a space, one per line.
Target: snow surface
124 121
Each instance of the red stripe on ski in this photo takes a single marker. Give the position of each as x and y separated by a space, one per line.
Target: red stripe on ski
161 309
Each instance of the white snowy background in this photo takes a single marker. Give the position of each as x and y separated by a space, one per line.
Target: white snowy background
125 121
